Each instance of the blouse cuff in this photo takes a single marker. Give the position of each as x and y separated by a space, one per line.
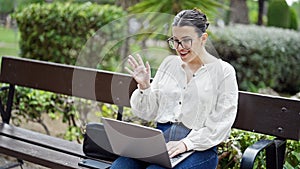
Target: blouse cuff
188 143
145 91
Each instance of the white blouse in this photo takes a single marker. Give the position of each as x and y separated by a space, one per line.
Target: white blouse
207 104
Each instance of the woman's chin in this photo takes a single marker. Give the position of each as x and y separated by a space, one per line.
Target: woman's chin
184 57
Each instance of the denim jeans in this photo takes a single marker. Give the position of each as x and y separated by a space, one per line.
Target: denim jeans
207 159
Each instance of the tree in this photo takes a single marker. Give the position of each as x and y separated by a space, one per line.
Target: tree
261 6
174 6
238 12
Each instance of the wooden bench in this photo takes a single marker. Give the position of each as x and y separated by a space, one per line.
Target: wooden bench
275 116
43 149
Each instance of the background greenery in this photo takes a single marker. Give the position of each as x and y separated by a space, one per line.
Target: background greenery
57 32
262 56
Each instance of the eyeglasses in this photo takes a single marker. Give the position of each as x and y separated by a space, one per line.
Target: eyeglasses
185 43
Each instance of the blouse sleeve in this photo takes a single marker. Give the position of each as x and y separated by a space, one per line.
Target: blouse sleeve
145 103
218 124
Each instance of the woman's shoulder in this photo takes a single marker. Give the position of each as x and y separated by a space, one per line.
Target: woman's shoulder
171 60
226 66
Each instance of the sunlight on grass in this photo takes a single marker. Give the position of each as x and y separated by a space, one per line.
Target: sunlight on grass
9 44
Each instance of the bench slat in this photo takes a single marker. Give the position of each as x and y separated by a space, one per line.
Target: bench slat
76 81
40 139
37 154
270 115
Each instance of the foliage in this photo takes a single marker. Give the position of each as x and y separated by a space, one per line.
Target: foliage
57 32
29 105
293 19
164 8
230 151
84 1
253 11
6 6
207 6
9 42
262 56
293 155
296 7
278 14
20 4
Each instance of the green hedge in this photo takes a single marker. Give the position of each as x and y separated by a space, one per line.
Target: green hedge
57 32
262 56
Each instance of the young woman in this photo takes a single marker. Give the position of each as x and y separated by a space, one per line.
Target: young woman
193 96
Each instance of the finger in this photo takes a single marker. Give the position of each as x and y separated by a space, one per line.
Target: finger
131 64
129 71
170 145
133 61
175 153
171 150
140 60
148 68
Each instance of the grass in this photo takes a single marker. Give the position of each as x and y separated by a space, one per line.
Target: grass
9 44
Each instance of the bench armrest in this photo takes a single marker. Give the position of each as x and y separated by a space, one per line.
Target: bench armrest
252 151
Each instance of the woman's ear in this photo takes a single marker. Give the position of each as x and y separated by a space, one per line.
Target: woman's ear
204 38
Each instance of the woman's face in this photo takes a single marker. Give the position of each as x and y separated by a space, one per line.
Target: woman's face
188 44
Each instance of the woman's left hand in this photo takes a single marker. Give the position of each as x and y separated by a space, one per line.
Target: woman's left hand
176 147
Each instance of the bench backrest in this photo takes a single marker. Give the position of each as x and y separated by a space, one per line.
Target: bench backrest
270 115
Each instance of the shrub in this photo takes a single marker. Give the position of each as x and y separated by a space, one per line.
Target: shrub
294 19
262 56
279 14
57 32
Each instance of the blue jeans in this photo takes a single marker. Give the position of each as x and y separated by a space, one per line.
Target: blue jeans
207 159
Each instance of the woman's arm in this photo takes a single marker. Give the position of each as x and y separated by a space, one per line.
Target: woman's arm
218 124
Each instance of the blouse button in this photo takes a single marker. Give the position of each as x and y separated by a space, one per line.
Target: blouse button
180 103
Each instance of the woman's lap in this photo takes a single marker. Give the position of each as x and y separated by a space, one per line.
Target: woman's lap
198 160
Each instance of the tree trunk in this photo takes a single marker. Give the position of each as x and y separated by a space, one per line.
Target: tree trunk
261 6
238 12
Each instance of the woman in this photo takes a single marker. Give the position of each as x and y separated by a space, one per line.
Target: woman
193 96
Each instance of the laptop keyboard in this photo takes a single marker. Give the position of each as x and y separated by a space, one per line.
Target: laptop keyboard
174 159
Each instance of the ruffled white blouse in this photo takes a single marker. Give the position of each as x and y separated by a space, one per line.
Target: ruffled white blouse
207 104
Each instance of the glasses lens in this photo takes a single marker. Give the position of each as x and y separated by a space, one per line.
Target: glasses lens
171 44
186 43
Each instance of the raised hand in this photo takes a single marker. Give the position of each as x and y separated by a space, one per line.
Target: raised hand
139 71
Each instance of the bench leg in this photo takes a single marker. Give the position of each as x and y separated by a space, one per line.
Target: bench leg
275 154
5 114
120 113
13 165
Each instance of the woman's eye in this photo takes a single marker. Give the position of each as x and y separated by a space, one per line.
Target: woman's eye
186 40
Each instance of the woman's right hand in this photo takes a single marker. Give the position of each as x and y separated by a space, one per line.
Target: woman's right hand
140 72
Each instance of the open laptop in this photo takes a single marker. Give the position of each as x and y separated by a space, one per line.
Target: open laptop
140 142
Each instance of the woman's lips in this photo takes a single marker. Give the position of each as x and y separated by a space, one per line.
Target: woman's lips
183 53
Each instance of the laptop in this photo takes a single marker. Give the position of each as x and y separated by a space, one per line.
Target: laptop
140 142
